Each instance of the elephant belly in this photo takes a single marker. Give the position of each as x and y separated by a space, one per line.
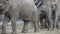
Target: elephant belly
27 11
25 16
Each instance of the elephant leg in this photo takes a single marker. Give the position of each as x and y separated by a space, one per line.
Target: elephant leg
49 21
49 18
41 23
14 18
38 22
45 23
25 27
57 25
5 23
49 25
56 20
13 24
36 26
35 22
53 20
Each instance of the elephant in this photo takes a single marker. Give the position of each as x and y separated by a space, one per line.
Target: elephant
52 13
55 13
18 9
53 7
41 16
45 13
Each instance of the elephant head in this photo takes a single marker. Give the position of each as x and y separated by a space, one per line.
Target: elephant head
53 5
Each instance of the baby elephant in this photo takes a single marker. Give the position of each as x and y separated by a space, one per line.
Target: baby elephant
45 13
22 9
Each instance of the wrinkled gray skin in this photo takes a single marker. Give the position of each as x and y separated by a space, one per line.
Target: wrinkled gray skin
46 8
14 9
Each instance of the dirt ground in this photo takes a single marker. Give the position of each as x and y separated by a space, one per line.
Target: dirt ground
30 30
40 32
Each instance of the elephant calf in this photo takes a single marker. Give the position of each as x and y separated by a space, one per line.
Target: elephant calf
14 9
45 13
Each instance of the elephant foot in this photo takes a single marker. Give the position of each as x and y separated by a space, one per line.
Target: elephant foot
52 29
57 26
36 30
41 28
24 31
48 29
14 32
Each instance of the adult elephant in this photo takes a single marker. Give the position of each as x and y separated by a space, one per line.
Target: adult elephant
53 7
14 9
55 13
